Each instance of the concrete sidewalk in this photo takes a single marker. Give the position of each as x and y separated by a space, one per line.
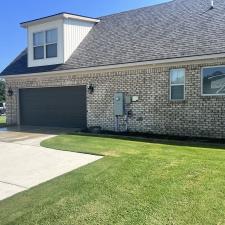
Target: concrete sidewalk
24 164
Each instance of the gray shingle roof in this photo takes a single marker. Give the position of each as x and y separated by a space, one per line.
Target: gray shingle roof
180 28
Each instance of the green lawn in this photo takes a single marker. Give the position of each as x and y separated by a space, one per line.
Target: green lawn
137 182
2 120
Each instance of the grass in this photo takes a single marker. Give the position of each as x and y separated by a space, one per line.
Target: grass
137 182
2 120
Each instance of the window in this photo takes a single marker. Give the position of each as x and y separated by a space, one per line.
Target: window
45 44
51 43
213 80
177 84
38 42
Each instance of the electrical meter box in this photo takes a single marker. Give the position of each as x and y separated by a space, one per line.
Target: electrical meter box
119 104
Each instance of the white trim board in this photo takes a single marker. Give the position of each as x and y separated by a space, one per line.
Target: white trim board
145 63
56 17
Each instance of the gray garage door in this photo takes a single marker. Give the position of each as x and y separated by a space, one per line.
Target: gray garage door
54 107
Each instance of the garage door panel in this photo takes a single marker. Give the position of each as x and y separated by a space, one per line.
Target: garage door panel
59 107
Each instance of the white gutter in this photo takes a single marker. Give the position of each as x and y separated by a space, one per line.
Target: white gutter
76 17
145 63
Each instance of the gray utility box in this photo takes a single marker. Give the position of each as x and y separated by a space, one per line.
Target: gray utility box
119 104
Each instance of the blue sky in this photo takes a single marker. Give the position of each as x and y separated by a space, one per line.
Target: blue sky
13 37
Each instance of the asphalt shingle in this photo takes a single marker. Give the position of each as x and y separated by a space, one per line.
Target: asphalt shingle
180 28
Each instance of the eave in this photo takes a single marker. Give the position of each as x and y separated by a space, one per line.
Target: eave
120 66
56 17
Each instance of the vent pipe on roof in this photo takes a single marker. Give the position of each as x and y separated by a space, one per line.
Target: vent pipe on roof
212 4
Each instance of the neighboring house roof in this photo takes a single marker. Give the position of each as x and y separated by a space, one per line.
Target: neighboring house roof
180 28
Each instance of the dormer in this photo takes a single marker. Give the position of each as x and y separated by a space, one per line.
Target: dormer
52 40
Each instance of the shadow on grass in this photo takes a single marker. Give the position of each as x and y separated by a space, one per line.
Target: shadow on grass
161 139
141 137
3 125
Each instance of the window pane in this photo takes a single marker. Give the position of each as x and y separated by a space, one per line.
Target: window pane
51 51
214 80
177 76
51 36
38 38
177 92
39 52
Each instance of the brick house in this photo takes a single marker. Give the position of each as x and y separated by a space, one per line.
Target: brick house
164 65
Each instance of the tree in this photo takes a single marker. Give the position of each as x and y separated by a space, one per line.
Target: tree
2 90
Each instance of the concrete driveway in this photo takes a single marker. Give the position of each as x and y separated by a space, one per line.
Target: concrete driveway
24 164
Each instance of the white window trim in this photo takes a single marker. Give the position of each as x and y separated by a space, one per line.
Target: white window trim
202 94
45 43
183 84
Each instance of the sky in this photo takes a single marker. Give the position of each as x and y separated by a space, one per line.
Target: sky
13 38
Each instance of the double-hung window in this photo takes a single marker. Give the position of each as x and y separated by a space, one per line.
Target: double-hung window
51 43
38 43
177 84
45 44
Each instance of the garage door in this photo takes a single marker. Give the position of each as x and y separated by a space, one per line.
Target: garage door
54 107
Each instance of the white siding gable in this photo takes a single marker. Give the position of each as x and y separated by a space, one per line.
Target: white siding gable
74 33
